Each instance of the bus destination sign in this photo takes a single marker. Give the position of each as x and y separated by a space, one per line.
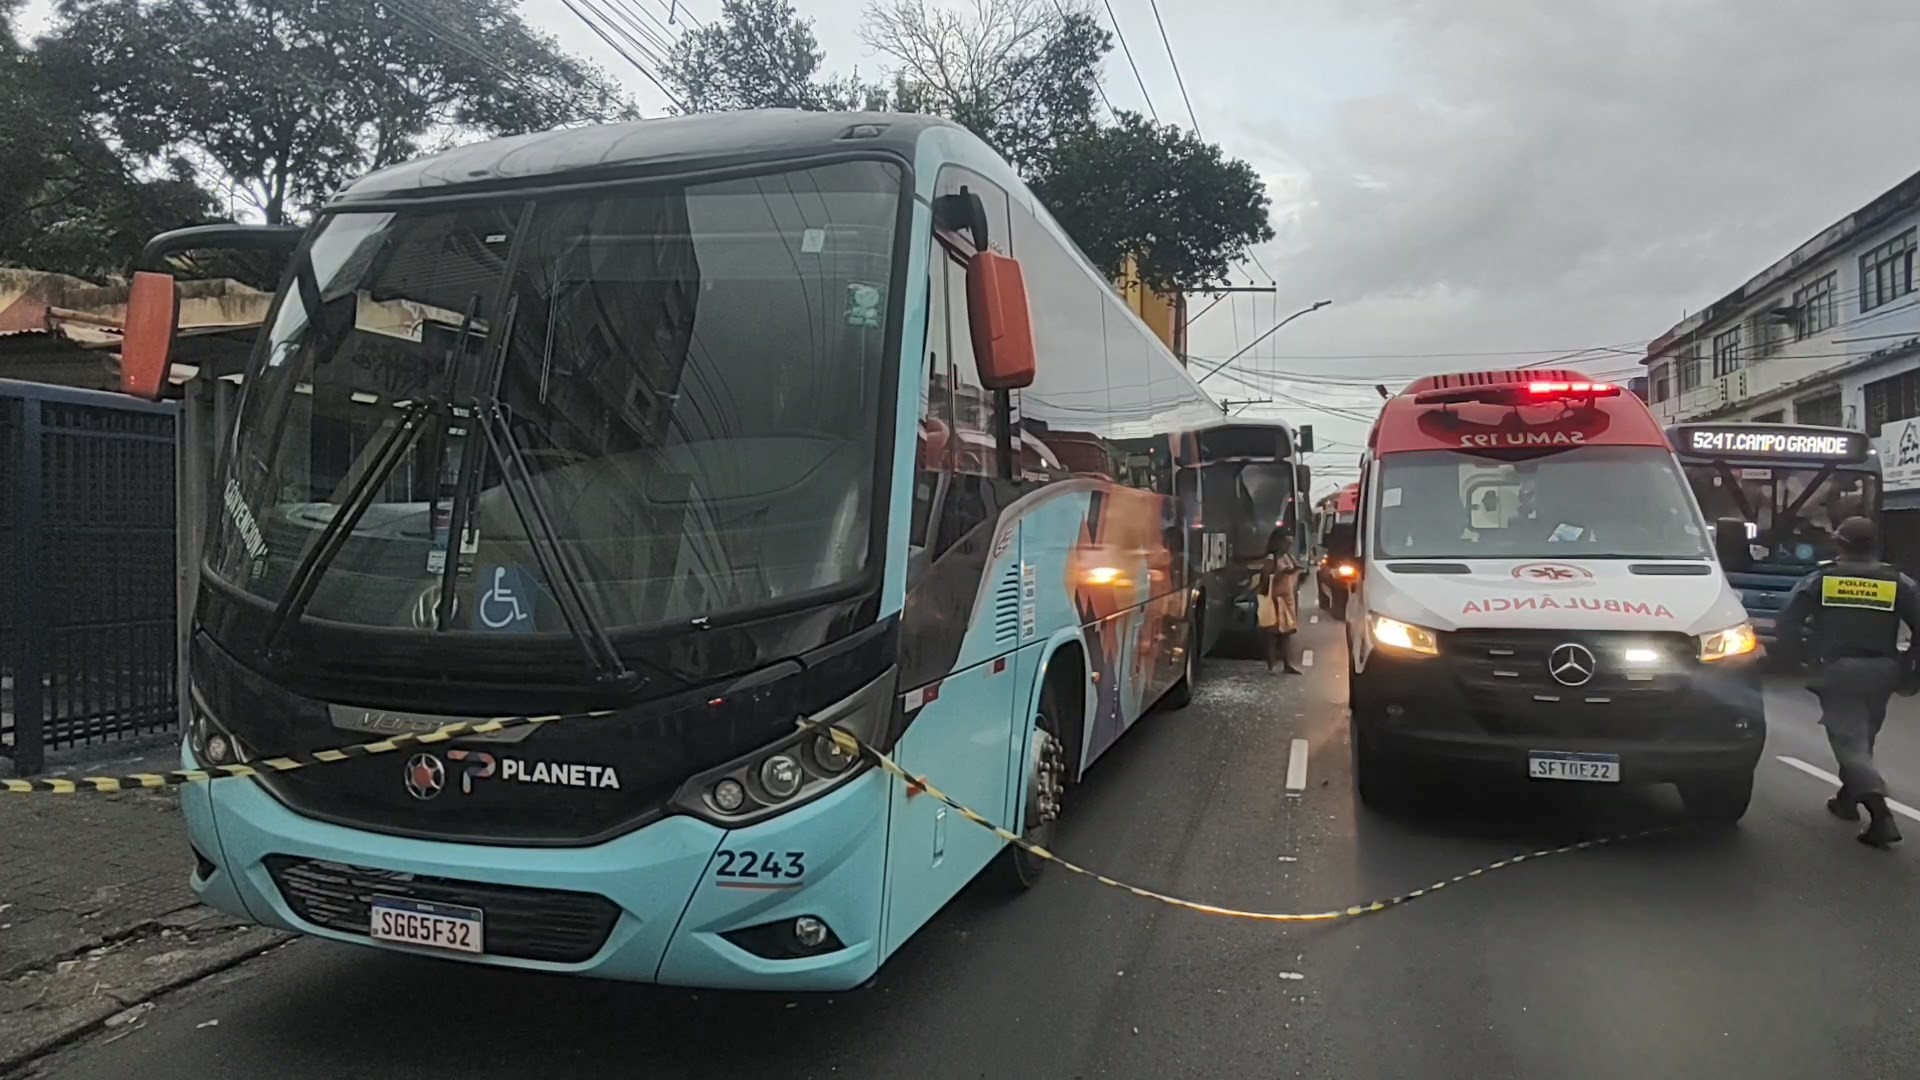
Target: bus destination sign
1770 441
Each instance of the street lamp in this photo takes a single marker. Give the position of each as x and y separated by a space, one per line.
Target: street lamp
1317 305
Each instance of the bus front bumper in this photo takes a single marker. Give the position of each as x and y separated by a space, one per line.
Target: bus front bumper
649 906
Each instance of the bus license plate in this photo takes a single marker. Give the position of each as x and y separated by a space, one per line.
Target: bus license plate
1593 768
433 926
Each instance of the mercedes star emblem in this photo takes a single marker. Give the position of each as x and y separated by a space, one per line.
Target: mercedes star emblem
425 776
1571 664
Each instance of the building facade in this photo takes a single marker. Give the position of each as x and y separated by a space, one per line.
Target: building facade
1827 335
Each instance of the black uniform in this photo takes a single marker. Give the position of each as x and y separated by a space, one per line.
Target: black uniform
1849 614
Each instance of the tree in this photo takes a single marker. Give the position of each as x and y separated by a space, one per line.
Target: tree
1021 74
760 54
286 100
71 204
1157 193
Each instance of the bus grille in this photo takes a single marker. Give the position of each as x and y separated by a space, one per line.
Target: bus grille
526 924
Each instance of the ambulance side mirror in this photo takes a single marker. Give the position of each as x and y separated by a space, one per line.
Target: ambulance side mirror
1730 543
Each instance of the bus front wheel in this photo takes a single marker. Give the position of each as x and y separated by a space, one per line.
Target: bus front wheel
1044 786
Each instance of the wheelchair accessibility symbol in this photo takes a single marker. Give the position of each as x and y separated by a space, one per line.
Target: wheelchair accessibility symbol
506 600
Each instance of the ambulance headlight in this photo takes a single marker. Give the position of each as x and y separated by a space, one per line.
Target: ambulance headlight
1404 637
1725 644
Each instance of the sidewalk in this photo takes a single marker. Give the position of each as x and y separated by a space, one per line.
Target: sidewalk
96 915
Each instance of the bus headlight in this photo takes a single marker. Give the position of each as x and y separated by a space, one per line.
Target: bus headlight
208 741
1405 637
1725 644
795 769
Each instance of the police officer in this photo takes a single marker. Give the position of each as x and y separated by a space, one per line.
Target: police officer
1851 610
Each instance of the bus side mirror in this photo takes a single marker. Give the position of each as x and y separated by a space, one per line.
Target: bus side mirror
1302 483
1730 543
1002 325
146 343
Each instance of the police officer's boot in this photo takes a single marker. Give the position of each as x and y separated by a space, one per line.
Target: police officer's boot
1844 807
1881 832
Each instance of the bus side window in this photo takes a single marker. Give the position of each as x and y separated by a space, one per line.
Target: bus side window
973 456
936 418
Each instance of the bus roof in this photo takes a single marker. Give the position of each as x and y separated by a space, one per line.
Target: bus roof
1231 438
1773 444
637 148
1529 408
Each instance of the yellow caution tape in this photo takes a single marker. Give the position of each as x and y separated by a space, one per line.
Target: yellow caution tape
852 745
844 739
96 785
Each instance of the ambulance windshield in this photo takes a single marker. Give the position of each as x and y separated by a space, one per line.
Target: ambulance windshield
1595 502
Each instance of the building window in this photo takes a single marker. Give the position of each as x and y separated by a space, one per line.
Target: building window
1689 370
1657 385
1896 397
1764 332
1822 411
1816 308
1777 416
1726 352
1886 272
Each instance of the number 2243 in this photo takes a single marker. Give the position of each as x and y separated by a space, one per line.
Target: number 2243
745 864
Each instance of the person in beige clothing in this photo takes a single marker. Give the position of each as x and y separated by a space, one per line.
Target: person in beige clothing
1279 592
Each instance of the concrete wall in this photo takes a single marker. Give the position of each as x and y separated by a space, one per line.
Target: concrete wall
1860 348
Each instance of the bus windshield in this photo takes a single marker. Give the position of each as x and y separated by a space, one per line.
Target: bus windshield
1593 502
1792 511
685 378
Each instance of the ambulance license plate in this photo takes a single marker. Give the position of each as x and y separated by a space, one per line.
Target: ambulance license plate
433 926
1593 768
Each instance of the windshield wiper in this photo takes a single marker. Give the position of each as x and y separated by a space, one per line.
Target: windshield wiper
517 479
306 576
490 418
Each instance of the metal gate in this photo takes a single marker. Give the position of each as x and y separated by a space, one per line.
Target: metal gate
88 590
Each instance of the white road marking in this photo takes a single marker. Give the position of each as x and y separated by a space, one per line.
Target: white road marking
1288 858
1292 976
1814 770
1314 619
1306 658
1297 767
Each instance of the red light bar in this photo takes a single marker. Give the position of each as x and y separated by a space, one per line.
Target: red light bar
1516 393
1546 389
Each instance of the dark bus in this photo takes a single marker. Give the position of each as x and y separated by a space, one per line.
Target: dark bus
1250 487
1790 486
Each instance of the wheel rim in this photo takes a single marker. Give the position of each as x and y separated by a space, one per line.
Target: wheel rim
1046 785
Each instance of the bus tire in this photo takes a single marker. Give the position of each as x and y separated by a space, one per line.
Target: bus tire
1042 787
1718 800
1180 694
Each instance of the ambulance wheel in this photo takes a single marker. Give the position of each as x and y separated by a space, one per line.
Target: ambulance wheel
1719 800
1381 781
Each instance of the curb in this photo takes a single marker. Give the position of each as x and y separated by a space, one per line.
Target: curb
53 1006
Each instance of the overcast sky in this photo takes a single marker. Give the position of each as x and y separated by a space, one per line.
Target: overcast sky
1490 176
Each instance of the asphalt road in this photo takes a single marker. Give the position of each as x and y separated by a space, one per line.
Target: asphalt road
1782 949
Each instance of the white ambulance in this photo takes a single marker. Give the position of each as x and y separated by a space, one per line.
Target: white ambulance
1539 597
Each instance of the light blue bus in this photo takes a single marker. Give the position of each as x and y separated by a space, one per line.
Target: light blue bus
682 431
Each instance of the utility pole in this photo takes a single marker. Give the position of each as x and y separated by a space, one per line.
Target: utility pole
1316 306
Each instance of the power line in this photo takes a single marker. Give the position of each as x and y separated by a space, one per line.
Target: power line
1171 59
421 19
675 6
1097 84
603 35
1128 51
